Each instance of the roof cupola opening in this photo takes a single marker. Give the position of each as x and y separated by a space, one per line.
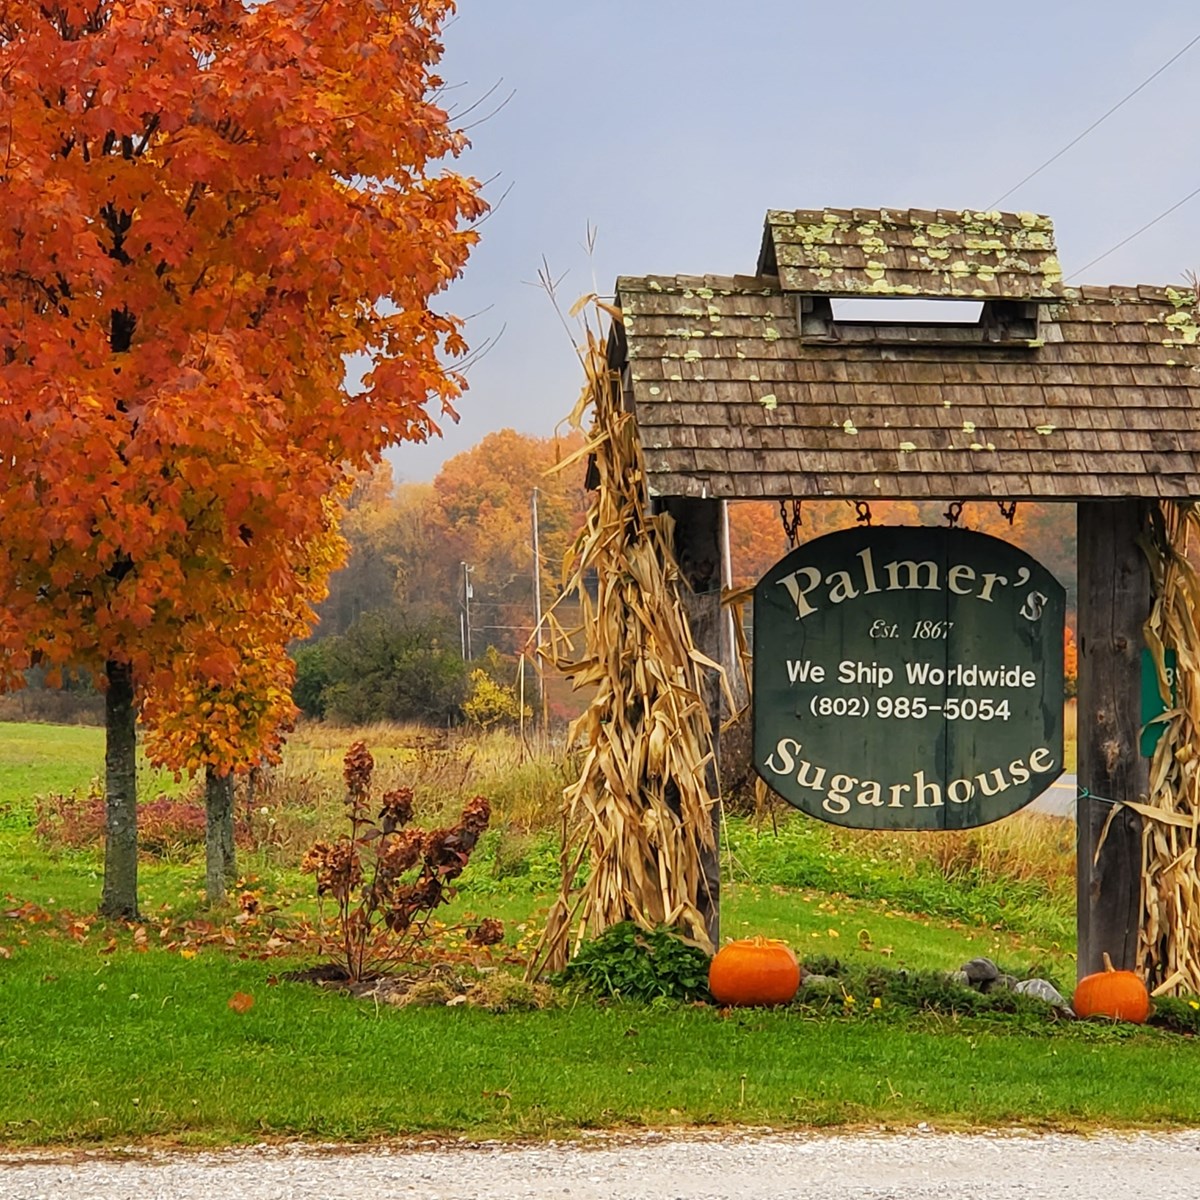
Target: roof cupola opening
1005 263
867 310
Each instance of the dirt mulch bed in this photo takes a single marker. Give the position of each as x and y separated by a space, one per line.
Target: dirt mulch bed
443 984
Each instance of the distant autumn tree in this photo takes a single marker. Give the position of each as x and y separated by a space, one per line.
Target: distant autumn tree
483 498
758 531
205 208
408 542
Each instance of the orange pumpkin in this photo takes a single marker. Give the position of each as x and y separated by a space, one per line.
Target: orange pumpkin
753 971
1120 995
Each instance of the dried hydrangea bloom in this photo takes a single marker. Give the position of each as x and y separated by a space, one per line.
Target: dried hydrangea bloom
336 866
357 767
475 815
399 853
397 809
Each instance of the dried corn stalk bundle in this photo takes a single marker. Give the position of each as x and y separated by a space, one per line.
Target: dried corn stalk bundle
1169 942
640 815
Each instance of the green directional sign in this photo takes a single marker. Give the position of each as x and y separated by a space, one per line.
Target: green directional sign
1152 700
908 678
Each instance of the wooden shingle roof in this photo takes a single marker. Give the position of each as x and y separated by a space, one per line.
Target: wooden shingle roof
733 401
886 252
750 387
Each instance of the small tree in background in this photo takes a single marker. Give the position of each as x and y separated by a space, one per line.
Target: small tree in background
490 703
390 667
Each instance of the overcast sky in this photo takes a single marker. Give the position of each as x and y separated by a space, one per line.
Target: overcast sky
671 126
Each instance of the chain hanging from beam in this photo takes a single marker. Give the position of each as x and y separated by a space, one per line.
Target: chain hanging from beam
791 524
1008 509
862 512
953 513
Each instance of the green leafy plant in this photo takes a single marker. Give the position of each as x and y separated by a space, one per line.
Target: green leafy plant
1178 1013
631 963
387 877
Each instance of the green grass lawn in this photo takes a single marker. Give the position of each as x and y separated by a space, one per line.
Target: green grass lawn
47 758
42 760
97 1048
109 1036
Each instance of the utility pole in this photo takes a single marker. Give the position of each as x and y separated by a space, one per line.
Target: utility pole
466 613
537 608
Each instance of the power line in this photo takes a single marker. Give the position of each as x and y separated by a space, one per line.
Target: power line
1136 233
1096 123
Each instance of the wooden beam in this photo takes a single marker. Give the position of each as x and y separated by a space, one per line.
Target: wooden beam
699 535
1114 602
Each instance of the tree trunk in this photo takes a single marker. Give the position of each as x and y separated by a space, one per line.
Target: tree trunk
220 855
119 896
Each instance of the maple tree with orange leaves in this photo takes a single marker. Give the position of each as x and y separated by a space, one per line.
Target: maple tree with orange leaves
205 208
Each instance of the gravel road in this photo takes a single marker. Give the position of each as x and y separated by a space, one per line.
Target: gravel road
916 1166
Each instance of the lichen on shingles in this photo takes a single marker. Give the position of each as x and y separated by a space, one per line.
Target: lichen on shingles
1183 325
914 253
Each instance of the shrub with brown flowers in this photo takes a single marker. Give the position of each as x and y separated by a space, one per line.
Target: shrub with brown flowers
169 827
387 877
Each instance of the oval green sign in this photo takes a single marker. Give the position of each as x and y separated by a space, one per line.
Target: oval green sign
908 678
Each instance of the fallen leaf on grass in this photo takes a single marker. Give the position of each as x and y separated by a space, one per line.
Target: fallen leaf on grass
241 1002
5 952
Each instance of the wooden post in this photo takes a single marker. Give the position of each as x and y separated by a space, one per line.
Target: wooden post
1114 602
699 531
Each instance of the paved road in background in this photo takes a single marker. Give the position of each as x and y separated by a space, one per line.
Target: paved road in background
1058 800
715 1166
